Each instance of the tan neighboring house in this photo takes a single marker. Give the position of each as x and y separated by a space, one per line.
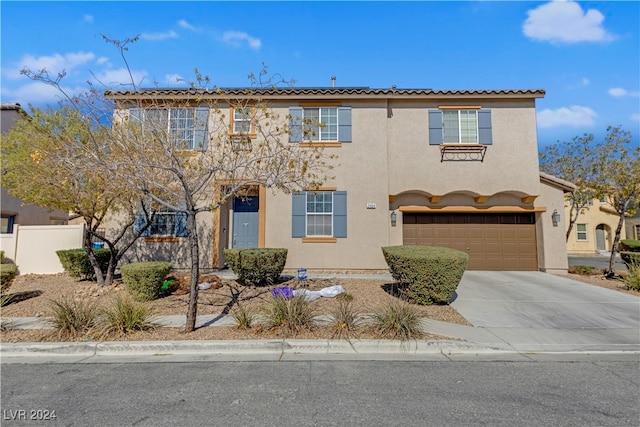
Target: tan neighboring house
456 168
632 226
15 211
594 229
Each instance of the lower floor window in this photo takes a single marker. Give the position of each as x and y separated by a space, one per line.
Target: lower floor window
7 222
163 223
320 214
581 231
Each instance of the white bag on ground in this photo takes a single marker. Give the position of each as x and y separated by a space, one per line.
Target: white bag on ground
328 292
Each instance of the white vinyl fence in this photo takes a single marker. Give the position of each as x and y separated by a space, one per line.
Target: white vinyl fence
33 247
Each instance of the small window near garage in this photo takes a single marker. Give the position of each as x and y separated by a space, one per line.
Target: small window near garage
581 232
637 231
7 222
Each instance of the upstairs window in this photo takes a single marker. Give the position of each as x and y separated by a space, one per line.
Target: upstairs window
320 124
186 127
242 120
460 126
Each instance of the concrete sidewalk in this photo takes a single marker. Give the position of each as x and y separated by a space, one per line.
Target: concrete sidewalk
516 314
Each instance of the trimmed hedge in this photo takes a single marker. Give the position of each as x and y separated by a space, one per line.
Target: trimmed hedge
76 262
431 274
261 266
8 272
629 245
630 258
143 280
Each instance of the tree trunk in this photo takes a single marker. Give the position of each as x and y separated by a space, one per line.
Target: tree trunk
113 263
92 258
572 219
614 248
195 272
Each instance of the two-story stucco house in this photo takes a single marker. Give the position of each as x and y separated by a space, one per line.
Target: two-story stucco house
456 168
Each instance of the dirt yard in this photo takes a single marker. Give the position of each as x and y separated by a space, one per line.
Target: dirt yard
31 296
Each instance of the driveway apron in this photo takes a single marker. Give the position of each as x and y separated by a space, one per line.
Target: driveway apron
534 310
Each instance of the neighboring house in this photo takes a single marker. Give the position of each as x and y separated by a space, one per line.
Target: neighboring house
456 168
15 211
594 229
632 226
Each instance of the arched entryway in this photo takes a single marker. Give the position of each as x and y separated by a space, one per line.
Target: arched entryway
602 237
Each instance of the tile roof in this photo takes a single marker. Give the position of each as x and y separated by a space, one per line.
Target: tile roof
358 92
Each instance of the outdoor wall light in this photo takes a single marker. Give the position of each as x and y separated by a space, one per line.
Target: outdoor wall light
555 217
394 218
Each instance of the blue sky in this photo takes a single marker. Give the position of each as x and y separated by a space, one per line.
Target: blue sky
586 55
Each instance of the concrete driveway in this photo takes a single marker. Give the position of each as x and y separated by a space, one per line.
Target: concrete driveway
532 311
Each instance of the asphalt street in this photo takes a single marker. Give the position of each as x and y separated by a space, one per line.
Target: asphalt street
321 393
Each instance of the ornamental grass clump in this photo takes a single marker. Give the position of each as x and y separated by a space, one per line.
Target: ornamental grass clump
144 280
397 320
244 317
345 318
72 318
8 273
429 274
632 279
125 315
289 315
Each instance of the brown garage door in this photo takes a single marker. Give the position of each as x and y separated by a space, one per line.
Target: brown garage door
493 241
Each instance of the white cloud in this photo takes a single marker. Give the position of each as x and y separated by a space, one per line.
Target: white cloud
53 64
184 24
574 116
585 81
159 36
174 79
618 92
88 18
235 38
118 78
635 117
37 94
565 22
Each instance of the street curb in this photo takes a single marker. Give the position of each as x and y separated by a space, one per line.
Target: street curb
244 347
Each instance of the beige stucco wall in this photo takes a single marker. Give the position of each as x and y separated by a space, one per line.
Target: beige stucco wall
510 163
592 216
361 170
552 248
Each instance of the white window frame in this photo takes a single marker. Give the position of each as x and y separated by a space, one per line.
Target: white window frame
311 201
323 131
242 118
170 224
176 124
460 134
579 232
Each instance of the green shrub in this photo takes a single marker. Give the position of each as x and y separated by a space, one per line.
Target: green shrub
8 272
72 318
256 266
630 258
431 274
290 315
143 280
629 245
1 257
397 320
125 315
76 262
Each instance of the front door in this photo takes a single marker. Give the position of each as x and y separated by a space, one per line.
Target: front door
601 240
245 222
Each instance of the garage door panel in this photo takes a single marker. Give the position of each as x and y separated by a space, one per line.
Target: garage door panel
493 241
